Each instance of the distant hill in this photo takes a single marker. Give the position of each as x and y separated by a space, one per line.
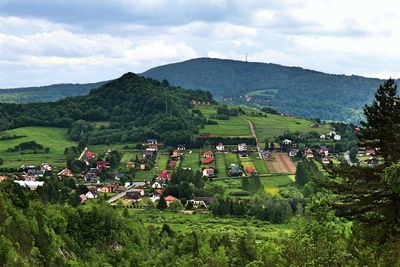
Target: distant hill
46 93
129 108
292 90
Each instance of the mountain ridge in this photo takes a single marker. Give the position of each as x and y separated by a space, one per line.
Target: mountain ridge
292 90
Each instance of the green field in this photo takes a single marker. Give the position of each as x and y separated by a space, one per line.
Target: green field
221 165
259 163
275 125
162 160
273 183
191 160
185 223
54 138
235 126
231 158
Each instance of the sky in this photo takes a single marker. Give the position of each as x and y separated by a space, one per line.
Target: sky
55 41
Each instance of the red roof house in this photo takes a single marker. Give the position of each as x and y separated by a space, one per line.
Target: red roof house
165 175
170 198
172 164
208 160
208 154
89 154
249 170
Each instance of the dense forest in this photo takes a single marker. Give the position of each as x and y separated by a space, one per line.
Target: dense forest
46 93
130 108
292 90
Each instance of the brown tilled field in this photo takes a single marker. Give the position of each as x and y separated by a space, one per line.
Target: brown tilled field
281 164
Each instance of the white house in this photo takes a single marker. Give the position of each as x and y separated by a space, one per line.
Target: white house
242 147
322 136
286 142
208 172
156 185
33 185
337 137
91 194
220 147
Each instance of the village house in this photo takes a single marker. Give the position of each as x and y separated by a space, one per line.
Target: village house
208 157
149 154
250 170
323 150
209 172
370 152
176 153
234 170
337 137
45 167
135 195
130 164
181 147
164 176
322 137
156 195
91 175
326 161
152 141
119 176
89 155
156 185
83 198
142 167
220 147
286 142
308 153
102 165
33 185
208 154
152 148
65 172
242 147
91 194
3 178
169 199
108 188
201 202
293 152
172 164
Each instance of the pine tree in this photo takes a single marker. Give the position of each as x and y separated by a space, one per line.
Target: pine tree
162 204
365 193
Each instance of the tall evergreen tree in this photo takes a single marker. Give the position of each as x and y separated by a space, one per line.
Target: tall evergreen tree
162 204
365 193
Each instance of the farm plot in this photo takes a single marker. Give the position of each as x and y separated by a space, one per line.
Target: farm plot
161 161
231 158
221 165
281 164
260 164
191 160
273 184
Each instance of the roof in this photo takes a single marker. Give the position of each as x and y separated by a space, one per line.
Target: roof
249 170
208 160
170 198
209 170
172 163
89 154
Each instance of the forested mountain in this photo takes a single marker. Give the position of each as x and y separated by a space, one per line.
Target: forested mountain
46 93
292 90
130 108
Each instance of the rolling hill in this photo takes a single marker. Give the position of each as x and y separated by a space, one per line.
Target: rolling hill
46 93
128 108
292 90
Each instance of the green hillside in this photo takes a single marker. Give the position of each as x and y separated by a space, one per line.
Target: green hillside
130 108
292 90
53 138
266 125
46 93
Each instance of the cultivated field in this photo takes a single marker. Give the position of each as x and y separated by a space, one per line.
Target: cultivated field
275 125
54 138
281 164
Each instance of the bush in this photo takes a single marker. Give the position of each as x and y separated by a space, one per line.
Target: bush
240 193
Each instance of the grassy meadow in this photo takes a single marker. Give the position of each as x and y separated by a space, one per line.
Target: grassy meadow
54 138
